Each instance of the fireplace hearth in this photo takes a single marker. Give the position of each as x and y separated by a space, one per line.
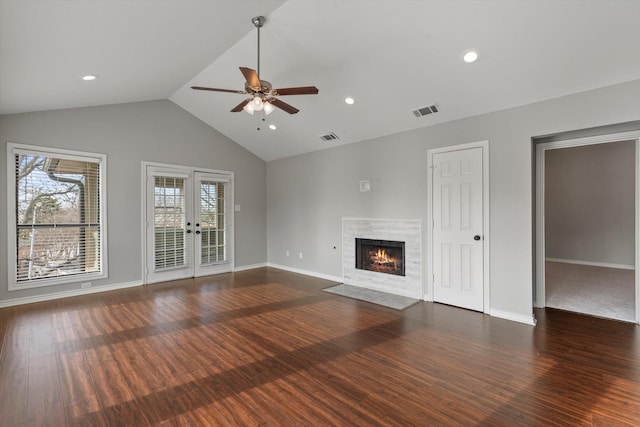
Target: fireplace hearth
381 256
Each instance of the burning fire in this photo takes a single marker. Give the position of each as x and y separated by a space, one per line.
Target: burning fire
381 257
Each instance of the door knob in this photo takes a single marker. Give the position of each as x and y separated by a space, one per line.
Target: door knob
476 237
198 232
188 231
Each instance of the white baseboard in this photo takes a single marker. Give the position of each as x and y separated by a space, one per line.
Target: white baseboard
515 317
66 294
306 272
592 263
250 267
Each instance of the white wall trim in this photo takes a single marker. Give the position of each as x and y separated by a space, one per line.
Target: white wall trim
539 294
428 289
591 263
306 272
250 267
515 317
66 294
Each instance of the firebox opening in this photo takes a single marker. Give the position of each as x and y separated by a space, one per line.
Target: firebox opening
382 256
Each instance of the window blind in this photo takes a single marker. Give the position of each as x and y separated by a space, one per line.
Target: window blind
213 222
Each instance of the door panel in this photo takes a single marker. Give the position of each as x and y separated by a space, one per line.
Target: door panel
457 220
212 236
169 254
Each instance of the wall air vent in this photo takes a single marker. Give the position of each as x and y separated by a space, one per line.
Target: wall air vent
329 137
425 111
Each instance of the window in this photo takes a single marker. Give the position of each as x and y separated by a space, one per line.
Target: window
56 207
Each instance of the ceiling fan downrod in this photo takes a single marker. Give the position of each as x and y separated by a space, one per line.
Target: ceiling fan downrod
258 22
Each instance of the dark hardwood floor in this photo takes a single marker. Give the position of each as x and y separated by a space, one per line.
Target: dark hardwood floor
267 347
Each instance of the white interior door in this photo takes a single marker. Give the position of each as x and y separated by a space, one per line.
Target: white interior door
188 225
458 228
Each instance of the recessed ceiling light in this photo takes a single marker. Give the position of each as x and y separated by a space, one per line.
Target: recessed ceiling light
89 77
349 100
272 127
470 56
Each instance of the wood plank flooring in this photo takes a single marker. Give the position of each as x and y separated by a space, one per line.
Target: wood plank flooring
268 348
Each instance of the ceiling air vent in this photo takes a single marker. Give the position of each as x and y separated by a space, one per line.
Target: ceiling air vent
329 137
425 111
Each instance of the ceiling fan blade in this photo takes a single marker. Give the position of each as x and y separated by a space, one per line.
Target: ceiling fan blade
240 106
302 90
283 105
213 89
251 76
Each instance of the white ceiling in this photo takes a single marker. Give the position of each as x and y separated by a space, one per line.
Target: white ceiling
392 56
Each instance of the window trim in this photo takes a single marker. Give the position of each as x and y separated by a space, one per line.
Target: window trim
14 149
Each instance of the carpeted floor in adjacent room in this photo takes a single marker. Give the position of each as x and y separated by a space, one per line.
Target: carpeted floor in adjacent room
598 291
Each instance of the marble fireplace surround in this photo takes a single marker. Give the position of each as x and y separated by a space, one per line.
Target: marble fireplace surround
403 230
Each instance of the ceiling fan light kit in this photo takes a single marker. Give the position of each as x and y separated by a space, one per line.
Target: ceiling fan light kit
262 95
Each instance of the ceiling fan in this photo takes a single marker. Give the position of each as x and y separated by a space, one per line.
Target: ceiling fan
262 94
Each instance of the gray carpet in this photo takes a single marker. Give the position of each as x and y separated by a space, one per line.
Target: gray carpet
598 291
397 302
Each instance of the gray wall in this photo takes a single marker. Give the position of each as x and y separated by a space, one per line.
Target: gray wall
590 203
308 195
157 131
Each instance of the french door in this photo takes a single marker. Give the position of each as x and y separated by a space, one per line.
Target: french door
188 223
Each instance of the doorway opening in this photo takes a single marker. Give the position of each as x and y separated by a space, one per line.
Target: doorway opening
587 225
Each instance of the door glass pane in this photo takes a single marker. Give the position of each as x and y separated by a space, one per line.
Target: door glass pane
169 222
213 222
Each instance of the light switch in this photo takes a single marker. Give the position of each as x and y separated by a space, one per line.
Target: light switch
237 208
365 185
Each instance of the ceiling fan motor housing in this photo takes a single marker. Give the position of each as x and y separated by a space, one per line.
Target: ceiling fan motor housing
265 88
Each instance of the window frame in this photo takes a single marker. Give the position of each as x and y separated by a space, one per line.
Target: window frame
14 149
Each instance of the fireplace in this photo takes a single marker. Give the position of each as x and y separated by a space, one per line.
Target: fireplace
382 256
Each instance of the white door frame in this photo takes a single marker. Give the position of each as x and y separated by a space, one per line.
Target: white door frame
188 170
428 289
539 294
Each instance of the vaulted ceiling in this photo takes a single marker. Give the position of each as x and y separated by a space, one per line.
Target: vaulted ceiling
391 56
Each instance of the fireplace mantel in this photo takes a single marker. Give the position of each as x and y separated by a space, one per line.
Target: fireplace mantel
407 231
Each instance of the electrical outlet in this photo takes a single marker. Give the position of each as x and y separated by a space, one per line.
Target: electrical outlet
300 255
86 285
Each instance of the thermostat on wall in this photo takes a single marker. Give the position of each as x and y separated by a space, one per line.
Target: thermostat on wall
365 185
